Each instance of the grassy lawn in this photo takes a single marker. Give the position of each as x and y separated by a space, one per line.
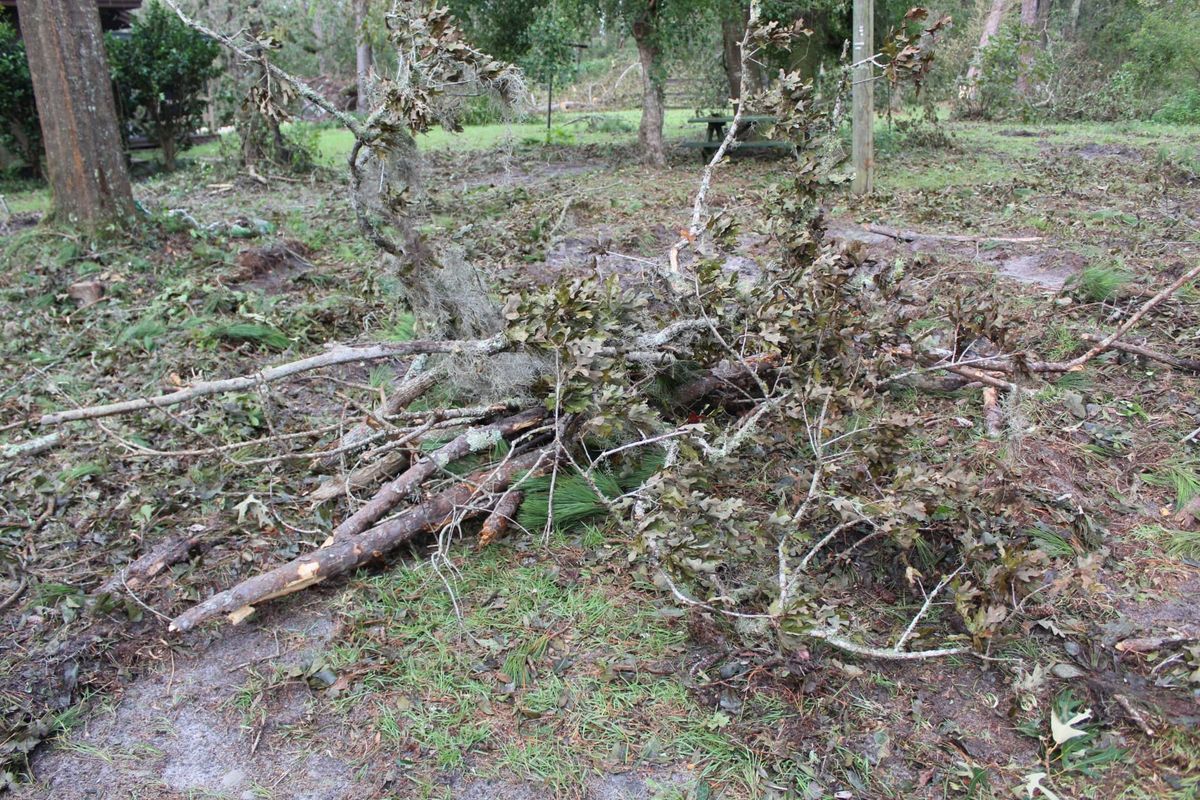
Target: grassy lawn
554 669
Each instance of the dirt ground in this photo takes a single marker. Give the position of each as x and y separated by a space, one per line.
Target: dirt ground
379 686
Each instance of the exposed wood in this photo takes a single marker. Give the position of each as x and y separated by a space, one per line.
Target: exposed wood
352 552
336 355
993 417
863 143
473 441
501 518
88 177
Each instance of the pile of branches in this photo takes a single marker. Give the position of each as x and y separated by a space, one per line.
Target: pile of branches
701 373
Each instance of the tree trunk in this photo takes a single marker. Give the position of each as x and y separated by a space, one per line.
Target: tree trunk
650 132
731 38
166 140
991 26
363 56
71 85
1074 16
1029 18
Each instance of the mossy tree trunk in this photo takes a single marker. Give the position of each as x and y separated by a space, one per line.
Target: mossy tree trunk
74 95
650 131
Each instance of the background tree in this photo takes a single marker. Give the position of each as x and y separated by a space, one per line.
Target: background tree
551 56
19 128
162 70
88 176
363 59
500 27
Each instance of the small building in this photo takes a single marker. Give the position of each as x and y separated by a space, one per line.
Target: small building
114 14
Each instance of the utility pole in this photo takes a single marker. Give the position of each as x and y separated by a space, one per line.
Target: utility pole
864 97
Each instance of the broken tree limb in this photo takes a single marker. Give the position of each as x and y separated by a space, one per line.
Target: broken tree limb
473 441
168 553
912 236
361 477
501 517
352 552
335 356
1192 364
32 447
397 401
726 375
1128 324
993 417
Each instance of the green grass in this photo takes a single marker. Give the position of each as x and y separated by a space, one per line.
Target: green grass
540 679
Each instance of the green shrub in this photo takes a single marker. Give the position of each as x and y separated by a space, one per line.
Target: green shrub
20 131
1181 109
161 71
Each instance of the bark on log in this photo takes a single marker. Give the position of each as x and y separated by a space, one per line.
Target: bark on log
473 441
725 376
352 552
361 477
65 47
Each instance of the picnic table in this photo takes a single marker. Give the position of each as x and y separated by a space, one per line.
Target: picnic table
715 133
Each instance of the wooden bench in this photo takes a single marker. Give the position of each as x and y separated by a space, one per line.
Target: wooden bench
715 134
708 149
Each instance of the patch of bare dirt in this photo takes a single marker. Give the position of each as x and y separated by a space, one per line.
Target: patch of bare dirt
1031 263
1092 151
272 268
179 731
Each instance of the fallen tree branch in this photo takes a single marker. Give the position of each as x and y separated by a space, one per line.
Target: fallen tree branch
500 518
473 441
1126 326
168 553
912 236
405 393
1192 364
33 447
352 552
335 356
361 477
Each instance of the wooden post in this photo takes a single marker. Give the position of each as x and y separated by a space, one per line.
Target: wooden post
864 97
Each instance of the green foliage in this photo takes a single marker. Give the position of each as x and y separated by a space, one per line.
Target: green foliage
1179 474
161 71
20 130
575 501
1097 284
499 27
1181 109
550 58
262 335
1123 59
